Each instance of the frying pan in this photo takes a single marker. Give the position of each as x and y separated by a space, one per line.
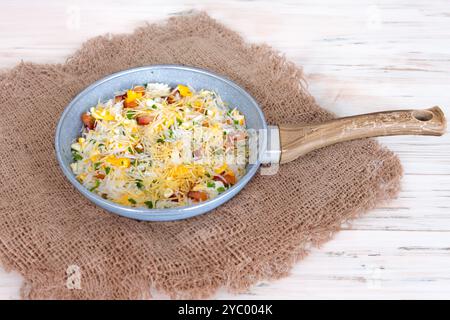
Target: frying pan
275 144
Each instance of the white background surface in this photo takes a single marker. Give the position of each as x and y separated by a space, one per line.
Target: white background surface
358 56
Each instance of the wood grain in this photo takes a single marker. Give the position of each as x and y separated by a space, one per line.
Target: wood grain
299 139
358 57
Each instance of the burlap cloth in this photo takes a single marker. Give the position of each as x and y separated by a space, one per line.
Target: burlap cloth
46 226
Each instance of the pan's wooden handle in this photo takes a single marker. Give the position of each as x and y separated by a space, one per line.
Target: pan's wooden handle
299 140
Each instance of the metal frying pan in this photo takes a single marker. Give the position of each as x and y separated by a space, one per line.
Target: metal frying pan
275 144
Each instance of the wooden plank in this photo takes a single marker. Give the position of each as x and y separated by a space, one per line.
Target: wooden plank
358 57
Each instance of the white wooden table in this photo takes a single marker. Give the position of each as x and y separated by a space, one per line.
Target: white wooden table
358 56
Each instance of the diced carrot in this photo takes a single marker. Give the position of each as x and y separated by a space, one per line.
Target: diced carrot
227 179
144 120
198 195
130 104
140 90
173 96
171 99
100 175
230 178
88 121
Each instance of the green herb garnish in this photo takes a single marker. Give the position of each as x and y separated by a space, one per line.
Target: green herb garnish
76 156
107 170
139 184
221 189
132 201
149 204
97 184
130 114
160 140
211 185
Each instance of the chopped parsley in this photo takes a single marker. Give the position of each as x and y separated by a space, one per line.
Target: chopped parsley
221 189
97 184
130 114
139 184
149 204
76 156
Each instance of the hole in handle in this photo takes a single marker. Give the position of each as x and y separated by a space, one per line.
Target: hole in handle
423 115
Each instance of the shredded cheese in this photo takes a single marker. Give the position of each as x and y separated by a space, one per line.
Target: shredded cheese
160 147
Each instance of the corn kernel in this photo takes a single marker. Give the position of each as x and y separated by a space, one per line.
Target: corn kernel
131 96
102 114
119 162
221 169
124 162
184 91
